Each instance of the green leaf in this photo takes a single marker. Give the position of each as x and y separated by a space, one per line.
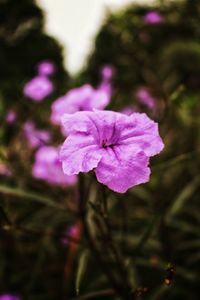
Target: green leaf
82 266
184 195
159 293
174 161
147 233
96 294
29 195
2 154
189 245
185 227
180 272
194 259
141 193
177 94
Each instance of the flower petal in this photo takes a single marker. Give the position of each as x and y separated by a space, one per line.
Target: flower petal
77 122
100 99
48 167
58 108
109 125
143 133
79 153
120 169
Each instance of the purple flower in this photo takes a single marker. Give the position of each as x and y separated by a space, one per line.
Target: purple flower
35 136
107 72
106 76
46 68
145 97
48 167
38 88
8 297
116 146
84 98
129 110
153 17
10 117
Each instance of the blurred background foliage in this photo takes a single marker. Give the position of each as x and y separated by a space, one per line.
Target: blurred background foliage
155 227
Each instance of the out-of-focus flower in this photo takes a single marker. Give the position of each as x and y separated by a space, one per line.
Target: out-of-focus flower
129 110
84 98
116 146
107 72
46 68
10 117
72 232
35 137
8 297
106 77
48 167
153 17
145 97
38 88
5 170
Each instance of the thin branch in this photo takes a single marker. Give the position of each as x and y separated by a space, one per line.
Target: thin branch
120 263
83 214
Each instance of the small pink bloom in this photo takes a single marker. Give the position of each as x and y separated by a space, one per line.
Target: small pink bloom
35 136
72 232
107 72
38 88
145 97
106 88
48 167
153 17
117 147
46 68
106 77
129 110
84 98
4 170
10 117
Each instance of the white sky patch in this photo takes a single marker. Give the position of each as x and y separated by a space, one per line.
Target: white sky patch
75 23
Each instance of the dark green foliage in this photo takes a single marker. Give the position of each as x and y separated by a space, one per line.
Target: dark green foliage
162 55
154 229
23 44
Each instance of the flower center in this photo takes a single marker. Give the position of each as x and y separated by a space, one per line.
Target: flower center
106 144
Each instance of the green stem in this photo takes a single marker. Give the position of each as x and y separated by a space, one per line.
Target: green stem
83 197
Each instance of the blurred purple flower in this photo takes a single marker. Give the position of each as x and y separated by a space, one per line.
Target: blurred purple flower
35 136
48 167
128 110
145 97
153 17
71 232
84 98
38 88
106 77
116 146
4 170
46 68
107 72
10 117
9 297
